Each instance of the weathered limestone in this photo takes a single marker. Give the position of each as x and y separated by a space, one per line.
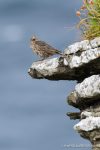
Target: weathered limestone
86 92
88 124
70 67
83 46
81 62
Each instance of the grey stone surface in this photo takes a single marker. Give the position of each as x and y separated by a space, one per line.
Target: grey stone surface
90 87
86 92
81 62
70 67
88 124
82 46
84 58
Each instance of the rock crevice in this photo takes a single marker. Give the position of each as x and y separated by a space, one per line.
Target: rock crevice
80 62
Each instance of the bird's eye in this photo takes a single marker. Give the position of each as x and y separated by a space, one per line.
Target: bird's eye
33 39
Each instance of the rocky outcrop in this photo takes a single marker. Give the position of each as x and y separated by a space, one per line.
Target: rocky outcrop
81 62
86 92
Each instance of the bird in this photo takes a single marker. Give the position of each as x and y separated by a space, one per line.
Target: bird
43 49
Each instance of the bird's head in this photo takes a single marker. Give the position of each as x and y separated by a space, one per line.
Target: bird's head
33 39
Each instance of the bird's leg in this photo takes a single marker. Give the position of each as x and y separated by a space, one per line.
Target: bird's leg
41 59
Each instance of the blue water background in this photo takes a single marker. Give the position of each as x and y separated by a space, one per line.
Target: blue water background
33 112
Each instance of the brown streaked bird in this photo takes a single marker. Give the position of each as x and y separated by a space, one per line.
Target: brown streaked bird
43 49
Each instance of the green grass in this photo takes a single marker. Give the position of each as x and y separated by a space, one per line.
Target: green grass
90 19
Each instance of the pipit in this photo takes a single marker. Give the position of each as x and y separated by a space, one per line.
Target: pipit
43 49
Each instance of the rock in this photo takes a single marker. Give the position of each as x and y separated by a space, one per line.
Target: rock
70 67
74 115
81 62
88 124
82 46
86 92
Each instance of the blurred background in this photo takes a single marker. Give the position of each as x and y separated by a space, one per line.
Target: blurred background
33 112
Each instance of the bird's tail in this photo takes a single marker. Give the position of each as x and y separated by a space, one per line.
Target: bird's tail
59 52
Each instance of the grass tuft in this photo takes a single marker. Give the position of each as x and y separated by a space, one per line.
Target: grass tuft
89 19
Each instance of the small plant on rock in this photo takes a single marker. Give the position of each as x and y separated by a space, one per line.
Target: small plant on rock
89 15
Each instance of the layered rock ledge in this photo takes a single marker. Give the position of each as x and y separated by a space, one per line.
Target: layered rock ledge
86 92
81 62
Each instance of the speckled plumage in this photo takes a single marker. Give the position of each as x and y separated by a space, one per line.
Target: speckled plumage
43 49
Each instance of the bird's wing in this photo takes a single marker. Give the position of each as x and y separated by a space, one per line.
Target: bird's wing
47 46
42 43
